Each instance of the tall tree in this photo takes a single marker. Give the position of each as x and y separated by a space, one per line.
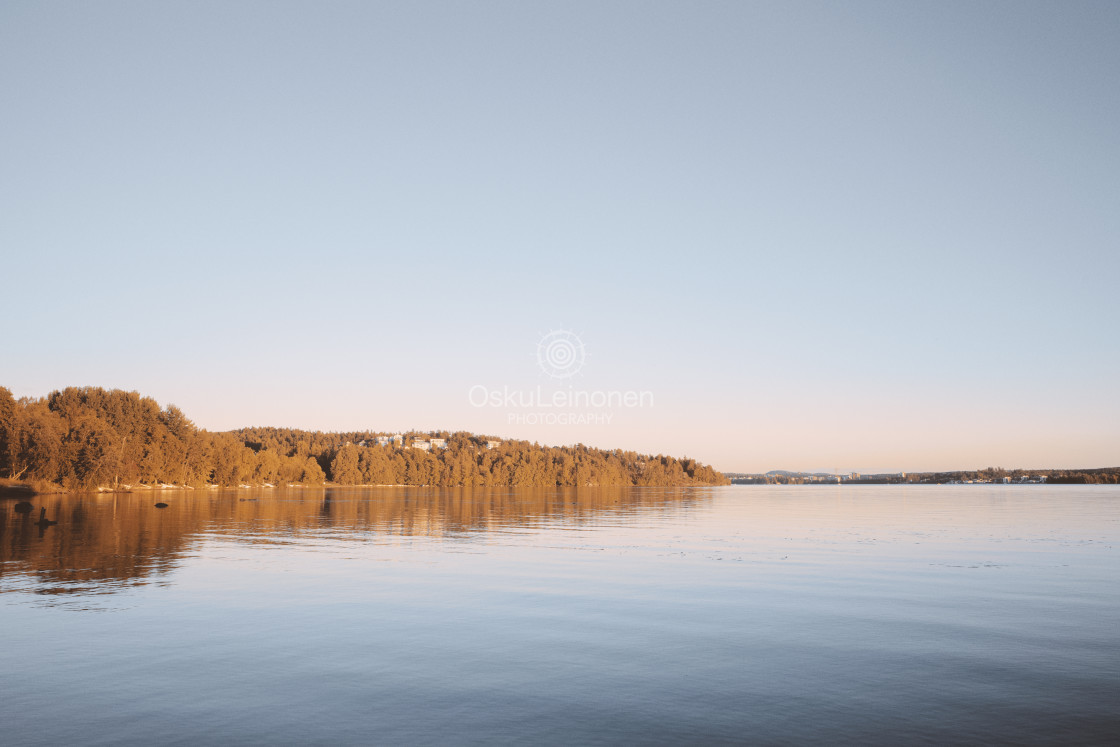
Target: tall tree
344 466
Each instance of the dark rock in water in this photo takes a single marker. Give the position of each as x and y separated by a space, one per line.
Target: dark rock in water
161 505
23 507
43 520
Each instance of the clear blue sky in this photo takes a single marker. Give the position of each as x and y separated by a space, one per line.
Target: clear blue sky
852 235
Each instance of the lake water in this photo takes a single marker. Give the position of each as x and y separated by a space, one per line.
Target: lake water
763 615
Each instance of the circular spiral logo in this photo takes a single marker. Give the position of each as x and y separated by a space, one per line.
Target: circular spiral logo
560 354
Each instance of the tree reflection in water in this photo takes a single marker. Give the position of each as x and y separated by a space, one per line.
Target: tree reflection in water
105 543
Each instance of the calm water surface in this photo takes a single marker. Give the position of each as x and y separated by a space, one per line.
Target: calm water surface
783 615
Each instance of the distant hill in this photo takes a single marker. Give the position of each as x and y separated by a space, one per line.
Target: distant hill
786 473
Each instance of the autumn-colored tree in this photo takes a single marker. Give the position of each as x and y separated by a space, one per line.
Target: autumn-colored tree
7 428
344 466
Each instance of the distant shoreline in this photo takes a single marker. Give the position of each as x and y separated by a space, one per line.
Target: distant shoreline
989 476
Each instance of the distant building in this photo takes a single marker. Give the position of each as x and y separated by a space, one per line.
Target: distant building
438 443
493 444
397 439
422 445
382 440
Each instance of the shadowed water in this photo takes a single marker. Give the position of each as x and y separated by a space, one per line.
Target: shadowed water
765 615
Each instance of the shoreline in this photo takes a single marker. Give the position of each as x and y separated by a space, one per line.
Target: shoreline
24 490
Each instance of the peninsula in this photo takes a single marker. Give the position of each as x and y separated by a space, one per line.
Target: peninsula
86 438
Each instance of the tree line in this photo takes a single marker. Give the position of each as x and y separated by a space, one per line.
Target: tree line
87 437
1103 476
1099 475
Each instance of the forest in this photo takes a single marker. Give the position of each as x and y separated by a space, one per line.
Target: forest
1096 475
83 438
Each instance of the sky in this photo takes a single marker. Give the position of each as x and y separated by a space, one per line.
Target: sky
858 236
